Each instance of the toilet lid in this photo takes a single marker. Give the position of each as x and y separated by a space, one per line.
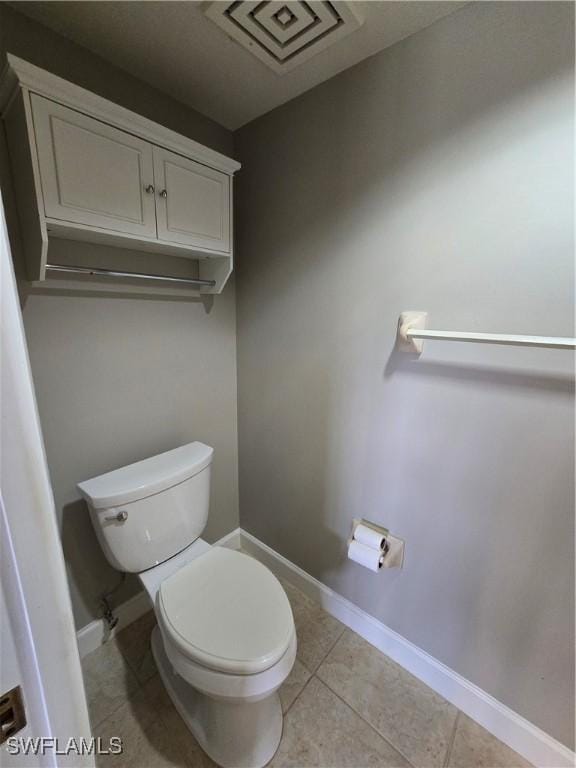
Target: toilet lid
228 612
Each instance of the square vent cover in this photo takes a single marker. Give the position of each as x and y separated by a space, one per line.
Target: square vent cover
285 34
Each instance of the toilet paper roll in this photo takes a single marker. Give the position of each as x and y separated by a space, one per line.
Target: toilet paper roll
370 537
366 556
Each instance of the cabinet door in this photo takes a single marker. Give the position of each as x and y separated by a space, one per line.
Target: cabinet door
193 202
92 173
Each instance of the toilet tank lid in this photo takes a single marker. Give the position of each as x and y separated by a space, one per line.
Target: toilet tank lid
147 477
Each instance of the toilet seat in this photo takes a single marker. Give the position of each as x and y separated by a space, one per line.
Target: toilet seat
226 612
225 685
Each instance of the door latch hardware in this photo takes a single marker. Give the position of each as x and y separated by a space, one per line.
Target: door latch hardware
12 713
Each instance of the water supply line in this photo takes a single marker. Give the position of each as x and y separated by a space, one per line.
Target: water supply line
105 604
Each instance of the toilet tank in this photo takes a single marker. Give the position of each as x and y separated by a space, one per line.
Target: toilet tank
149 511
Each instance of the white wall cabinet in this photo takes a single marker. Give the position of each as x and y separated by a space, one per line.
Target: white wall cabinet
193 202
86 169
92 173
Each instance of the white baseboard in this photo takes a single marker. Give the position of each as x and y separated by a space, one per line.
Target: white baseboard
232 540
96 633
518 733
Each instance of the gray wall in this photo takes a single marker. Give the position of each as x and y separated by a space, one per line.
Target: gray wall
121 377
436 175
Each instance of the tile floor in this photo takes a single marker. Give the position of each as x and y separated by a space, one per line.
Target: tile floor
345 704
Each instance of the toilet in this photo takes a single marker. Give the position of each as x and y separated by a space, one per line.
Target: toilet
225 639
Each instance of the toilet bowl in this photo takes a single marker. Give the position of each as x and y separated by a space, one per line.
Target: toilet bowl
225 639
224 644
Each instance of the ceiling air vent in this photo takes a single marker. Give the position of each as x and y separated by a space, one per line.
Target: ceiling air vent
285 34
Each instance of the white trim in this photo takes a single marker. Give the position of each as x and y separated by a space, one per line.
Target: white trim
95 634
36 609
515 731
231 540
53 87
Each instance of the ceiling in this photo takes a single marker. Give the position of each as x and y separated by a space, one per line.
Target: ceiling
174 47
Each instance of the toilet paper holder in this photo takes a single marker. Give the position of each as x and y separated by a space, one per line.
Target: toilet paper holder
391 547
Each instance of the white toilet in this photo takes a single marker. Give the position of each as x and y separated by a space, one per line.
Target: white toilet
225 640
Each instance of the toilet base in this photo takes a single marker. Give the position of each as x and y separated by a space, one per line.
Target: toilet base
235 734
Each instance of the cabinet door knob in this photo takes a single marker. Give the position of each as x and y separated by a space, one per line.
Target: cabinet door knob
149 189
164 193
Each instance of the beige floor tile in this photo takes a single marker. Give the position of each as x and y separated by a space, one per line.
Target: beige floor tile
474 747
162 706
146 741
417 721
316 630
299 602
134 643
293 684
320 730
108 681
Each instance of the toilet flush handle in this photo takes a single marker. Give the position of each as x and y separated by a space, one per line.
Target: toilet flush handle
121 517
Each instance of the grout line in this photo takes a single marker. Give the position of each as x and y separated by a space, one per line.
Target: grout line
306 684
452 739
328 652
367 722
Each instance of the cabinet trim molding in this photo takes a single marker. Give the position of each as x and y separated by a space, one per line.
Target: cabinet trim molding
18 72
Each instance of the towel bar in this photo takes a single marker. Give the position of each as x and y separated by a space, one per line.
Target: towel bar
138 275
412 331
